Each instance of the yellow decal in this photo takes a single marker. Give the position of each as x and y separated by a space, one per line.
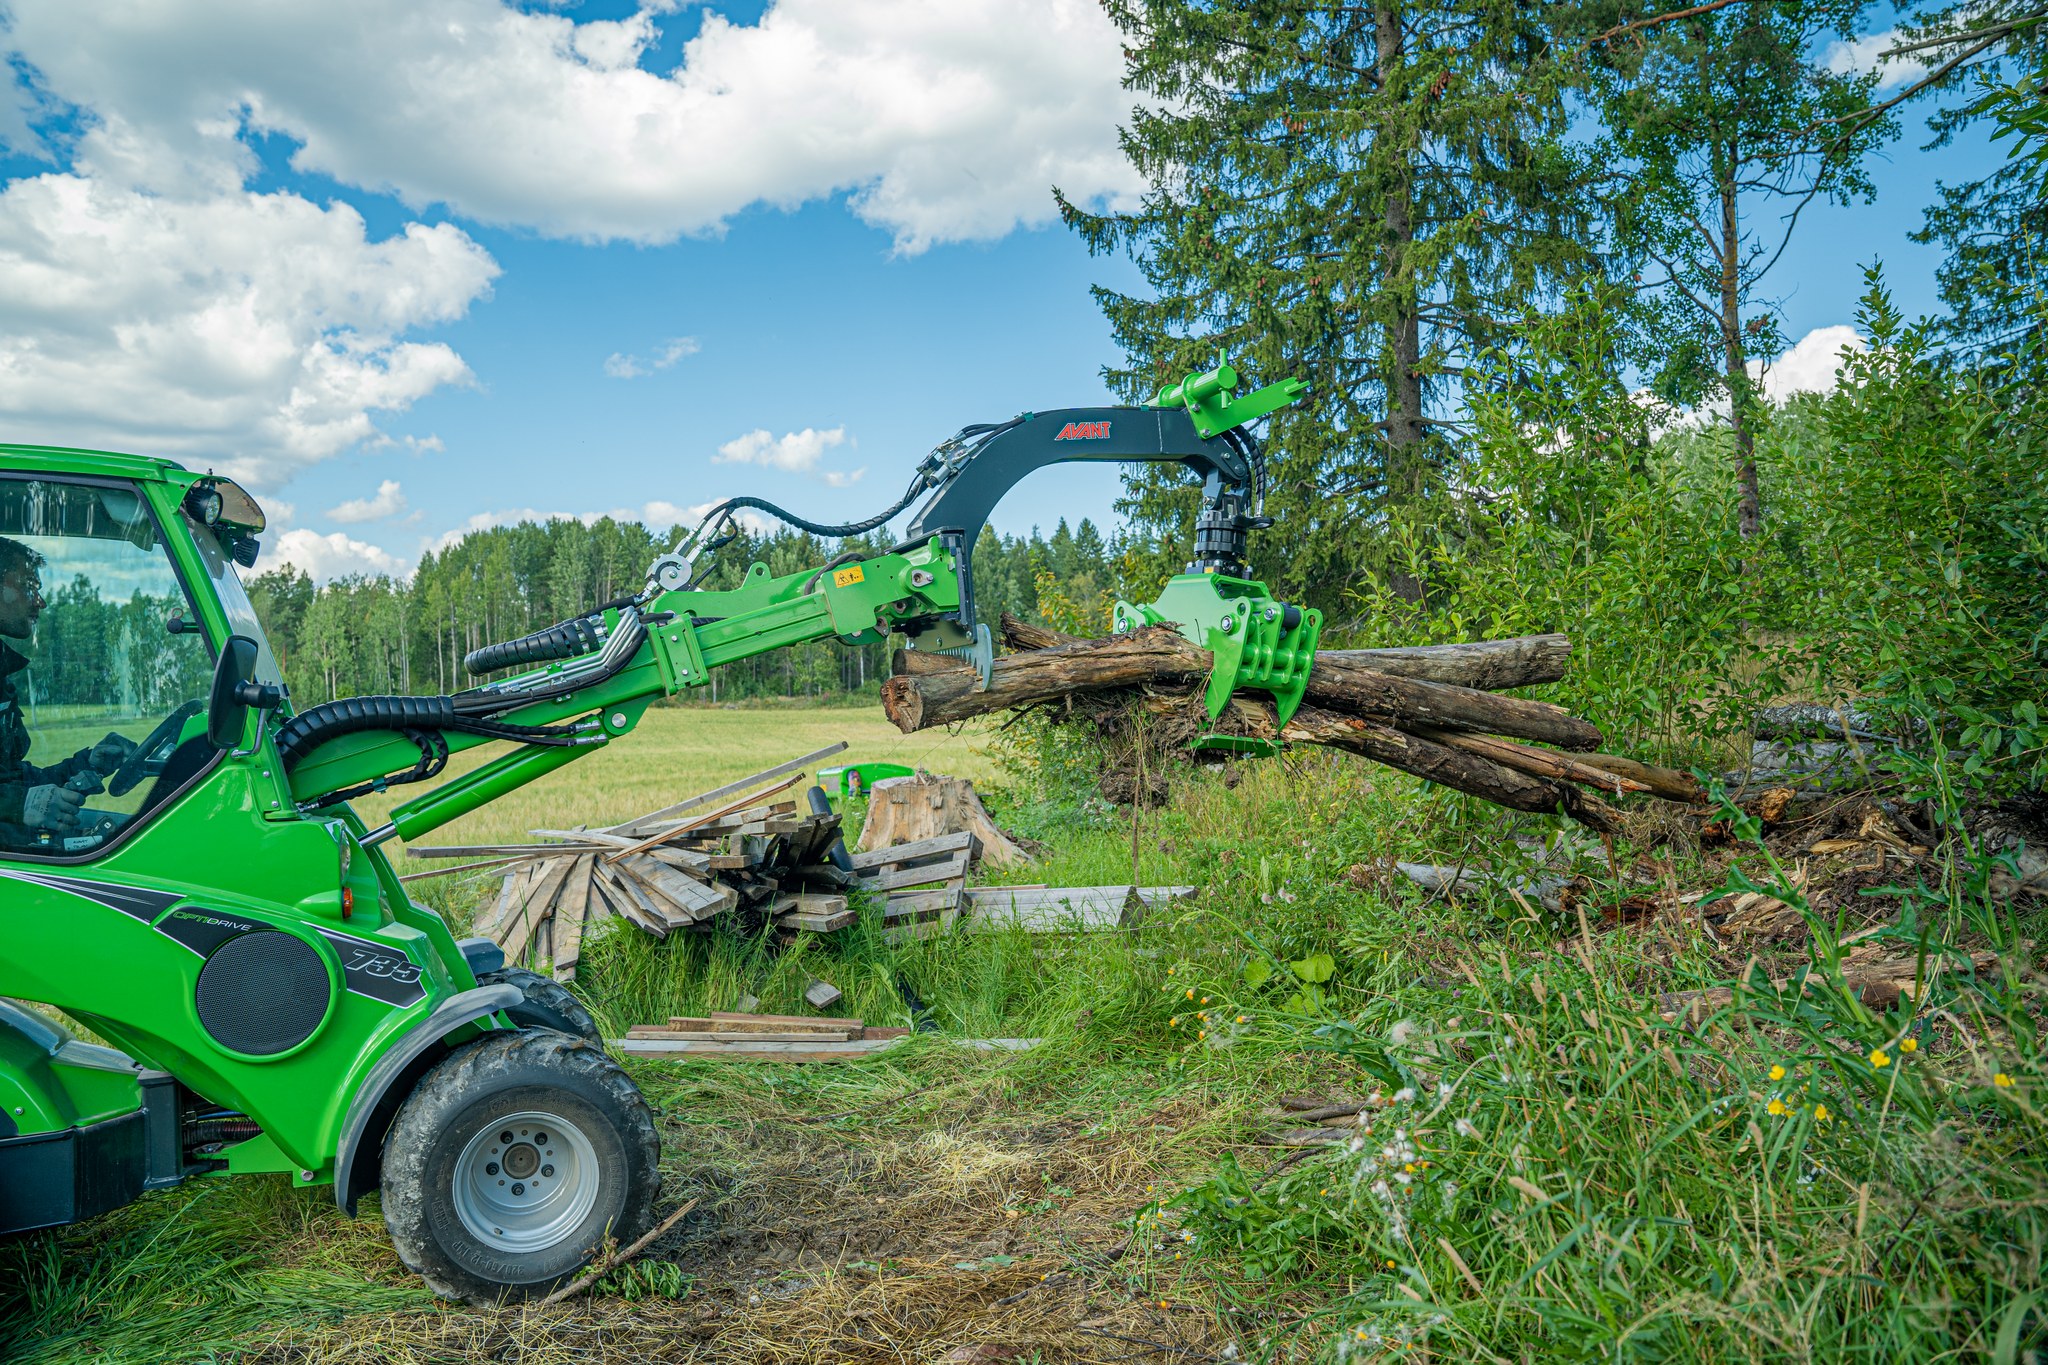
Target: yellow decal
849 575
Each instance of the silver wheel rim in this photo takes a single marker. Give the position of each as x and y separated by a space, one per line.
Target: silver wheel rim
526 1182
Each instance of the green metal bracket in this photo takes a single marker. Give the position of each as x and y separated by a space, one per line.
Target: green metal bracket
857 779
1239 622
1206 397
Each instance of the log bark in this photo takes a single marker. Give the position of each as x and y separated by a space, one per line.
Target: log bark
1489 665
1669 783
1535 762
1158 654
1454 768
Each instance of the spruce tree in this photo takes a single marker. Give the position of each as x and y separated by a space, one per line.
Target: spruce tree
1362 196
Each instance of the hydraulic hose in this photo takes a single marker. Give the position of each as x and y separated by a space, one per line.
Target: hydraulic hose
562 641
304 733
817 528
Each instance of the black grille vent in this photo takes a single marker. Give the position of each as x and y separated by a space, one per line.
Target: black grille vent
263 992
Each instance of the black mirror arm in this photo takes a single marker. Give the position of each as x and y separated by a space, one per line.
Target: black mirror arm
259 696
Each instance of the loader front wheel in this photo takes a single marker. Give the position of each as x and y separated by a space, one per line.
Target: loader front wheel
547 1003
512 1161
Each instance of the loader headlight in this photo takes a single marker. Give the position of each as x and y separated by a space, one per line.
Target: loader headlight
204 503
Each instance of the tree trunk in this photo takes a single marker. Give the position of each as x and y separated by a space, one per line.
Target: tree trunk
1157 654
1490 665
1405 427
1465 772
1741 405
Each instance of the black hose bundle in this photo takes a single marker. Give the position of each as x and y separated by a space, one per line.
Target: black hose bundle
562 641
304 733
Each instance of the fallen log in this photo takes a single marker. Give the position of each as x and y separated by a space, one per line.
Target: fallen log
1461 771
1669 783
1536 762
1489 665
1157 654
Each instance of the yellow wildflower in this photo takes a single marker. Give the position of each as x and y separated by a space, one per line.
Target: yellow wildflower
1909 1045
1777 1073
1205 999
1879 1057
1240 1018
1821 1114
1173 1022
1390 1265
1191 992
2002 1081
1775 1107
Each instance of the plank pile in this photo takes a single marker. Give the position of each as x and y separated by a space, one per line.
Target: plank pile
740 854
1437 712
922 885
761 1038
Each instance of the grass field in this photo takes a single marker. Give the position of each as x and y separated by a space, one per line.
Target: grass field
1552 1169
679 751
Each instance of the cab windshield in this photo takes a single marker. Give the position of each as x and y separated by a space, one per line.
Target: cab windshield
104 672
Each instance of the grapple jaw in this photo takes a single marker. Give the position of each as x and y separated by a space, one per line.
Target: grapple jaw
1258 642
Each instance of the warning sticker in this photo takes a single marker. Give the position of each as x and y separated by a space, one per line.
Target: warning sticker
849 575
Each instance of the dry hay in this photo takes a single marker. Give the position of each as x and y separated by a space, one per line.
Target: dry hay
942 1238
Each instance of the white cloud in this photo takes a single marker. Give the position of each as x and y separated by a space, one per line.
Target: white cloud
835 478
796 451
389 501
945 120
255 333
621 366
1810 365
331 556
1863 55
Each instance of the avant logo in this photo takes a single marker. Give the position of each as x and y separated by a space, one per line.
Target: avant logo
1084 431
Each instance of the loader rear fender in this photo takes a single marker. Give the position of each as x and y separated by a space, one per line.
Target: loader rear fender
391 1079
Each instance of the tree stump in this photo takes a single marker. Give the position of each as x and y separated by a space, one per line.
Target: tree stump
903 810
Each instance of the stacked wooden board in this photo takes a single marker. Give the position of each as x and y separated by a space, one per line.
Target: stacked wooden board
738 853
922 885
761 1037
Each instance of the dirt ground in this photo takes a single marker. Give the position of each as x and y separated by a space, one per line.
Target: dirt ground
962 1235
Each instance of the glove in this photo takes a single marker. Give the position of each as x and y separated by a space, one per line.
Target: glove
51 807
109 754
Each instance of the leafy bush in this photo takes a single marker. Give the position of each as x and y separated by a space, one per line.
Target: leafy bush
1905 554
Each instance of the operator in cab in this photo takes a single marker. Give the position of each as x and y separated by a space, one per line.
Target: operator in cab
32 798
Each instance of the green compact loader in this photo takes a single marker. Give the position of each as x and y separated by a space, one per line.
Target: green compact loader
181 871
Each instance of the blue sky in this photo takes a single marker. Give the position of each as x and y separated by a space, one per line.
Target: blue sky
417 267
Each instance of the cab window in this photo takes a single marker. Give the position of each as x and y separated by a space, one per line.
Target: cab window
104 671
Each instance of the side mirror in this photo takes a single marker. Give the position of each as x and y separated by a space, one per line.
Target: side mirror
235 691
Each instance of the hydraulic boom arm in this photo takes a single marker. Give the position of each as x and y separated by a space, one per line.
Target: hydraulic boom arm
598 674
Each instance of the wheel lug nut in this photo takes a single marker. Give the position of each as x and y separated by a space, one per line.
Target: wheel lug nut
547 1171
506 1136
491 1168
519 1189
540 1139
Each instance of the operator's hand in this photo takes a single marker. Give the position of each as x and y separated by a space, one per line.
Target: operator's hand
109 754
51 807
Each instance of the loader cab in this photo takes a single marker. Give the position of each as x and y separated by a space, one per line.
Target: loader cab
106 656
